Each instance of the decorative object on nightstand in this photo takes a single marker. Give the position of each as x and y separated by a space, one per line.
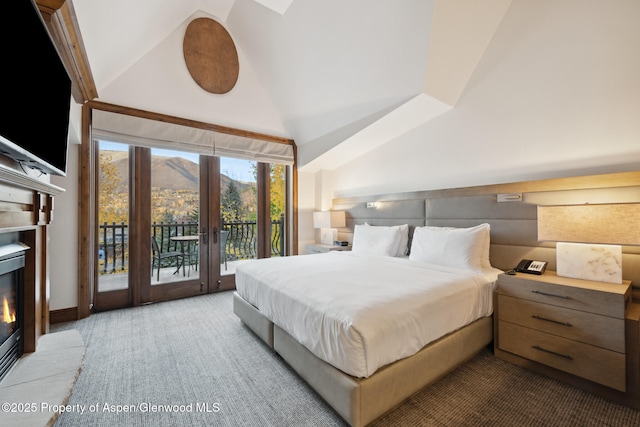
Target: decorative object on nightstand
589 238
320 248
328 222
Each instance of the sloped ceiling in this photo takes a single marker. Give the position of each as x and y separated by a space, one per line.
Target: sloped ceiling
338 77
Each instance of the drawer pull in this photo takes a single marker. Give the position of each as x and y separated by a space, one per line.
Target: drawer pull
535 316
551 295
566 356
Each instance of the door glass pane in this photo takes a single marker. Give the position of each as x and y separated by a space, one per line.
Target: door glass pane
113 216
278 189
238 211
175 194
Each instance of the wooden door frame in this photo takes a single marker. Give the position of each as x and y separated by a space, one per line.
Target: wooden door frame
226 282
172 290
263 214
139 224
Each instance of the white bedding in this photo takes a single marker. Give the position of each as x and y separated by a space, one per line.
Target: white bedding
359 312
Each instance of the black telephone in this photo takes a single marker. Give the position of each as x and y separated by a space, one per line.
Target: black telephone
531 267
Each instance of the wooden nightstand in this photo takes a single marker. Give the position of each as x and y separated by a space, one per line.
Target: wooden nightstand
579 331
319 248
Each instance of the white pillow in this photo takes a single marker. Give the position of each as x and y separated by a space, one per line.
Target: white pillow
486 261
402 244
463 248
368 240
486 247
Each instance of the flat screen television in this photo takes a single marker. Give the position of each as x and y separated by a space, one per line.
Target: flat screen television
35 90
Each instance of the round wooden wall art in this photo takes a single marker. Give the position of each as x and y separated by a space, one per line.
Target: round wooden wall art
210 55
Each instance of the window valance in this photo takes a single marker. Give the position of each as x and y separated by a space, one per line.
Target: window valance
116 127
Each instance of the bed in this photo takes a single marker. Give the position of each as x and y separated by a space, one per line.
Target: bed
369 328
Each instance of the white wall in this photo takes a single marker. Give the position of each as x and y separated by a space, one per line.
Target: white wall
556 94
63 231
63 237
247 106
315 191
306 206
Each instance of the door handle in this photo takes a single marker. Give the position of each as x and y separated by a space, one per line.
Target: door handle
215 235
204 235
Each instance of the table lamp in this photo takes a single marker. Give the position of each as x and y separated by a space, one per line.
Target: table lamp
589 238
328 222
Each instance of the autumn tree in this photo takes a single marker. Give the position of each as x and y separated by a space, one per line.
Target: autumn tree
112 207
277 188
231 206
194 215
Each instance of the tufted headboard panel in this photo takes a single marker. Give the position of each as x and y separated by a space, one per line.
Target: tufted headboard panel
392 212
513 226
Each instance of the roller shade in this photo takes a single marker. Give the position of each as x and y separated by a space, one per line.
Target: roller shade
143 132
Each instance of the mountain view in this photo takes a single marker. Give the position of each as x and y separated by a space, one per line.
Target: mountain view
175 182
168 173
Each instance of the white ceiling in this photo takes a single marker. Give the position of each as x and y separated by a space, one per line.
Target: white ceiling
343 76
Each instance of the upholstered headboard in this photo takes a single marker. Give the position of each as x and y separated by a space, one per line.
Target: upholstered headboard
513 226
513 223
392 212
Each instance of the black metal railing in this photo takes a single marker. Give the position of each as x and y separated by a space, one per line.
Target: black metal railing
113 240
241 242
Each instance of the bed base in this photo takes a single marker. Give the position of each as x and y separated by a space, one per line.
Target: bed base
360 401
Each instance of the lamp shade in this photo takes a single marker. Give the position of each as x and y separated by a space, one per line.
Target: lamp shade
329 219
614 224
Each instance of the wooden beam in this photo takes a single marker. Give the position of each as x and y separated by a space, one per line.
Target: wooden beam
134 112
60 19
86 218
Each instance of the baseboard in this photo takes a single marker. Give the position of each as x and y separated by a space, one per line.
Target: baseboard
63 315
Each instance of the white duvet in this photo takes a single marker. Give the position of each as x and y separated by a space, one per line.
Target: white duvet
360 313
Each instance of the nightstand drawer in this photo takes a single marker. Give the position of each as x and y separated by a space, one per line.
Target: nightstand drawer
593 363
545 289
602 331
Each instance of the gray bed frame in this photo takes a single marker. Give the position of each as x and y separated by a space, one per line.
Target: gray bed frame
361 401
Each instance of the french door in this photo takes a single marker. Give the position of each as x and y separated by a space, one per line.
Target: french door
124 213
159 230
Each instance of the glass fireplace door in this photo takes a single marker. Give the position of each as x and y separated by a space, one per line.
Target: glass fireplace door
11 309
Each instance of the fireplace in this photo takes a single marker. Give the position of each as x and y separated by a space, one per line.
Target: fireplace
12 261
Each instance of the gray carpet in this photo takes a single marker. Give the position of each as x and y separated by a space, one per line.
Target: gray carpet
191 362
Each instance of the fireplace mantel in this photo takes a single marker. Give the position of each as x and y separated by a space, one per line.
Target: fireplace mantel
19 179
26 207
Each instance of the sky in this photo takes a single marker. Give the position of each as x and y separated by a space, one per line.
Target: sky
237 169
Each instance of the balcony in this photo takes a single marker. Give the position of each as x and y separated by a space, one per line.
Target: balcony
240 246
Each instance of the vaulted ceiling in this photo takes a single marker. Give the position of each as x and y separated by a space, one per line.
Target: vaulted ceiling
338 77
